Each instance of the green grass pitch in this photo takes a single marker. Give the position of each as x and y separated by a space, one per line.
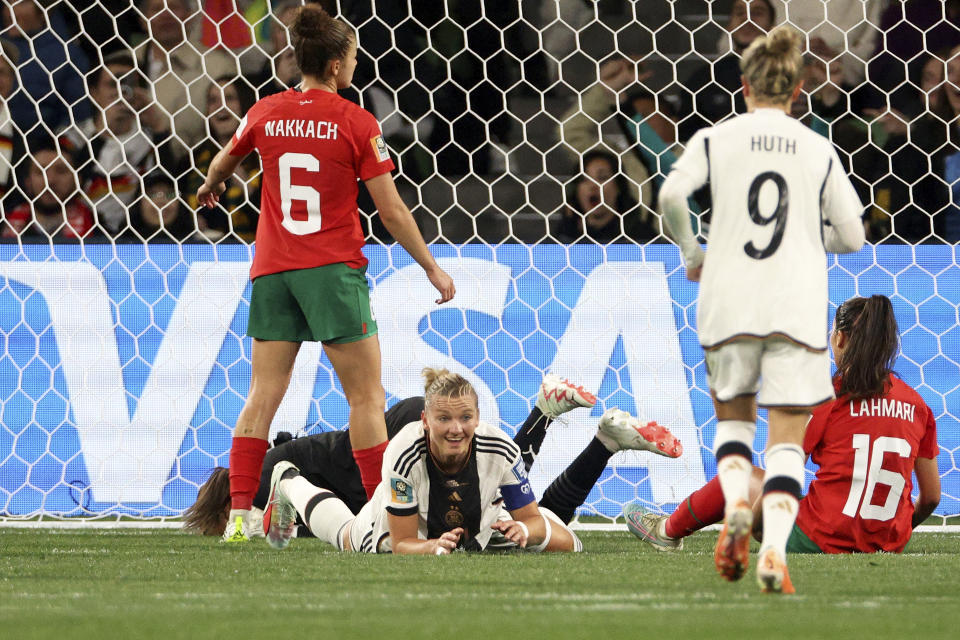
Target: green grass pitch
164 584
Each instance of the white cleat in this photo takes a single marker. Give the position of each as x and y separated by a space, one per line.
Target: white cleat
558 395
280 517
618 430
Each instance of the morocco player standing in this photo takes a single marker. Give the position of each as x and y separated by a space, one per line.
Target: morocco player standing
308 269
780 200
868 444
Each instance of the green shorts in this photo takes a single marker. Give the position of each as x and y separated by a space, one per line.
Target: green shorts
328 304
799 542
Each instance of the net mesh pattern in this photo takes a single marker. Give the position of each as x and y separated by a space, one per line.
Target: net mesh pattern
531 139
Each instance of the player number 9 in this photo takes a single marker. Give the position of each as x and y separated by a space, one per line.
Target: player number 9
779 214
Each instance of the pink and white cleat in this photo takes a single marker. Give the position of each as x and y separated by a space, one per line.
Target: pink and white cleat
618 430
558 396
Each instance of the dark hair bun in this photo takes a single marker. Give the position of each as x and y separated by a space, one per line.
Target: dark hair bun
311 21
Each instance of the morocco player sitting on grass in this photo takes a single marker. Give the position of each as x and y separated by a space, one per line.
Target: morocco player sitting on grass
868 443
324 460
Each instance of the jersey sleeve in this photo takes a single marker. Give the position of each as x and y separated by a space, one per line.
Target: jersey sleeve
397 472
243 140
373 158
694 165
689 173
515 485
815 427
928 444
841 206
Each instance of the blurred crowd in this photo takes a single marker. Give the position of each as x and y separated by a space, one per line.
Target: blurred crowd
111 112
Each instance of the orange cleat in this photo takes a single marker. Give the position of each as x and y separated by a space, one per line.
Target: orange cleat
732 553
772 574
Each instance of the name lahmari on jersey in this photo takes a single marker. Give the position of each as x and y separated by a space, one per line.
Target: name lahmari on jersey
882 408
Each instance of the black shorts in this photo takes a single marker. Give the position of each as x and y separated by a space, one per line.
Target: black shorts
326 459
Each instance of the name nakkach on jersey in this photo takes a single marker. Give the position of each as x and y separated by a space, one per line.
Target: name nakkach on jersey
319 129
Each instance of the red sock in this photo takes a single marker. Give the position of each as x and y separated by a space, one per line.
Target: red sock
246 460
369 461
703 507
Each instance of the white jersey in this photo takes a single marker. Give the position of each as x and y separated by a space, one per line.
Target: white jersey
775 186
494 478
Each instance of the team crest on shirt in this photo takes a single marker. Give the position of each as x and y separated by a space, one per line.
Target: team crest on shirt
401 491
519 471
380 148
453 518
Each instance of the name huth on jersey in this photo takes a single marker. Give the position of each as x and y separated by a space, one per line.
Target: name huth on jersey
319 129
779 144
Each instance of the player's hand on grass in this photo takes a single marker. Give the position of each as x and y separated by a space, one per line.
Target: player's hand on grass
447 542
512 531
443 283
209 196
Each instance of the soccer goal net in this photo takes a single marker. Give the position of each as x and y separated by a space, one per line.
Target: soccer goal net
531 139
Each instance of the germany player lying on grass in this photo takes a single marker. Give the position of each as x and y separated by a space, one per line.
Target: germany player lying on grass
324 460
868 444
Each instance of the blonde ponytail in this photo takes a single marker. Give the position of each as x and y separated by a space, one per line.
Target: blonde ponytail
443 383
773 64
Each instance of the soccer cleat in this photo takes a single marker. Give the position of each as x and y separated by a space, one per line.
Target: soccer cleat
236 530
649 527
618 430
772 574
280 517
732 553
558 396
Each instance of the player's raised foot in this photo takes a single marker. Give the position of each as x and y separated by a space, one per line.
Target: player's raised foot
236 530
772 574
618 430
280 518
732 553
558 395
650 527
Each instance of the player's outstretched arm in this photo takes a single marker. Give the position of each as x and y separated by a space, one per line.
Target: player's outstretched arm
404 539
401 225
928 484
221 167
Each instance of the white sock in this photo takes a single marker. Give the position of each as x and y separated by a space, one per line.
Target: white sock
784 463
734 473
325 516
734 470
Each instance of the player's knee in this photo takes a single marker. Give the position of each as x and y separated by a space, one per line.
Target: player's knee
370 399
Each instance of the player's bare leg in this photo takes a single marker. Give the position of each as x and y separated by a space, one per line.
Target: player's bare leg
736 427
782 485
358 367
272 365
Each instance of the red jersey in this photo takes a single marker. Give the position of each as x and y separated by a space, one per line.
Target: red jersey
866 449
314 146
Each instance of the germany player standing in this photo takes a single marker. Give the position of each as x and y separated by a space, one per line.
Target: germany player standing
868 444
308 269
781 199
